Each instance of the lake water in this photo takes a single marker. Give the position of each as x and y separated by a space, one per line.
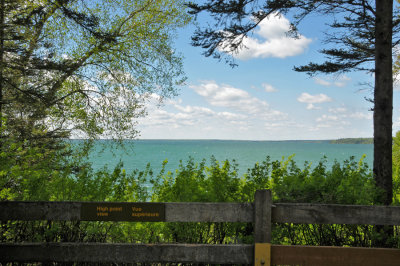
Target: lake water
138 153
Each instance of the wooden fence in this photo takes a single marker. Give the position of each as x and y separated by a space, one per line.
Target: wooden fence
262 212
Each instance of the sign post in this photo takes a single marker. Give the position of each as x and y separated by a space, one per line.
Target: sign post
262 227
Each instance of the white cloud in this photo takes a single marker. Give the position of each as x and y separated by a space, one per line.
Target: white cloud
340 118
327 125
172 116
333 81
221 95
237 100
325 118
273 40
269 88
311 106
338 110
331 121
158 117
322 82
345 113
231 116
226 112
195 110
340 83
311 99
359 115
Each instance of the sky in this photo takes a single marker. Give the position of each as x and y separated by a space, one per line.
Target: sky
263 98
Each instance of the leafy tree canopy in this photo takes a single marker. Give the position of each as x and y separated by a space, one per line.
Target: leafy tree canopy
86 67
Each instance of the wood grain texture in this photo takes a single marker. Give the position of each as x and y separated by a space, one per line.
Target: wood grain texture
334 256
39 210
126 253
195 253
209 212
262 216
174 212
335 214
219 212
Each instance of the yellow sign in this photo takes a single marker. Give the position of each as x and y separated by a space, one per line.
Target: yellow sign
262 254
124 211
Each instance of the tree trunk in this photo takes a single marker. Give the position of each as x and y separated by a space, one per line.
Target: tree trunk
383 101
2 6
383 112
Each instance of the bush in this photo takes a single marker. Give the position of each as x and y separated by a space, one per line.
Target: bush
349 182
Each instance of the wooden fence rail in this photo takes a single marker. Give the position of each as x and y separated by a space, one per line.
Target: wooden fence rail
217 212
127 253
262 213
174 212
195 253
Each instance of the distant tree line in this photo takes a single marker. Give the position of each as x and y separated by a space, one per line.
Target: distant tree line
353 141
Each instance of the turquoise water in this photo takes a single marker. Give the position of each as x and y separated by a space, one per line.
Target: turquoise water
138 153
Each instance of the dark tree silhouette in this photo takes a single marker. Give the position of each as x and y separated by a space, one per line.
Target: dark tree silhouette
362 35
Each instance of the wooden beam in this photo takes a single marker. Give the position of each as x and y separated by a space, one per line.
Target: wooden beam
262 216
40 210
174 212
335 214
126 253
209 212
218 212
333 256
195 253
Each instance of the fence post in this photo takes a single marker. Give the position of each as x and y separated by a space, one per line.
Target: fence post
262 227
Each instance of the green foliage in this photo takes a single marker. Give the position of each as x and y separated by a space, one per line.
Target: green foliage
38 173
81 67
26 172
66 179
86 68
349 182
196 182
396 168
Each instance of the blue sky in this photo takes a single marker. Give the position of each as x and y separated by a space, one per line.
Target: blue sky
263 98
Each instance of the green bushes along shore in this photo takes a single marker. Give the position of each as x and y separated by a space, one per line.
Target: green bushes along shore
349 182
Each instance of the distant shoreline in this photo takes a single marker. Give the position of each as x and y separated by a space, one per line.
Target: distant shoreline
331 141
353 141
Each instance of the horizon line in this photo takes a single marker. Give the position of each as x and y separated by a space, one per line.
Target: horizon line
216 139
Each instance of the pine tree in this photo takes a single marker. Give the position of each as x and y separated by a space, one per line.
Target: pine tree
362 37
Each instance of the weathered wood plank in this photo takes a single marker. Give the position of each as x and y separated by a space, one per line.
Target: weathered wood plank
262 216
209 212
333 256
195 253
126 253
335 214
174 212
41 210
219 212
